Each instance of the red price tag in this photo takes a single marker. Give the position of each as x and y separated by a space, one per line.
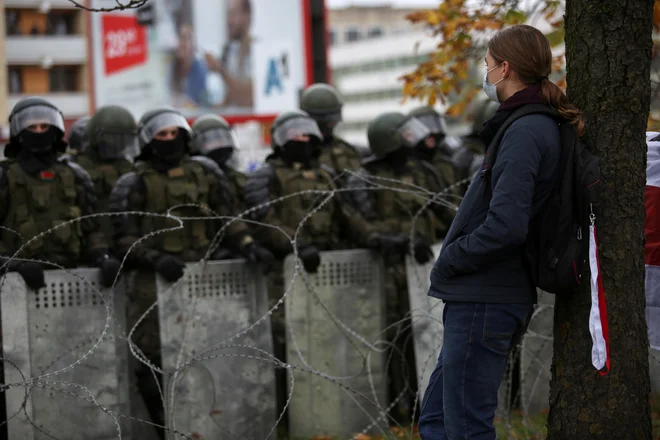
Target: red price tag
124 42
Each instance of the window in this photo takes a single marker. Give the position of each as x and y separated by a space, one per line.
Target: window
376 95
63 79
353 34
375 32
11 22
60 23
15 82
332 37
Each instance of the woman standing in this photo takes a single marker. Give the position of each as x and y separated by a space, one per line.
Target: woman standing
481 273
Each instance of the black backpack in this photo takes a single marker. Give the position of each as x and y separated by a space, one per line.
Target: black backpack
558 239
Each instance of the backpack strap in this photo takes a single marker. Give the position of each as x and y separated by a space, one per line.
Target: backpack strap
491 152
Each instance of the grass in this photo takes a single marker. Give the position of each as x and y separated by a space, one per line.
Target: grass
516 427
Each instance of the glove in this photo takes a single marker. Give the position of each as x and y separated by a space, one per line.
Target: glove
222 254
170 268
109 269
255 253
31 271
422 251
310 258
390 243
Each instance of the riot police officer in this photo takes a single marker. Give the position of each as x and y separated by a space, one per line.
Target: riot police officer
76 139
470 156
165 178
110 139
323 103
436 148
406 184
215 139
292 169
41 193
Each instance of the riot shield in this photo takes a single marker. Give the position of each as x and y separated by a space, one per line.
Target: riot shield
64 341
333 317
536 356
426 317
217 386
654 370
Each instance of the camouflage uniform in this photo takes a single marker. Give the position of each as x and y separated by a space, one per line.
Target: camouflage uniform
410 182
441 150
323 103
39 191
165 178
292 169
110 138
214 138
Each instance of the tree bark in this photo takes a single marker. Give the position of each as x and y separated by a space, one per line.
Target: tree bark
608 55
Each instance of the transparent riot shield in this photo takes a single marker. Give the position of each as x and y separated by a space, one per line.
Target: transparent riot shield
63 340
654 370
335 316
426 317
536 356
217 385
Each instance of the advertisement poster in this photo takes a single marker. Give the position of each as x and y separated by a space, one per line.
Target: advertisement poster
230 57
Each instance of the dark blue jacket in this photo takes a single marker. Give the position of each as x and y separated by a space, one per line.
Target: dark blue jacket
482 257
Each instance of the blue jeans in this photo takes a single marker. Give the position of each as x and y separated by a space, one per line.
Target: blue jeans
461 398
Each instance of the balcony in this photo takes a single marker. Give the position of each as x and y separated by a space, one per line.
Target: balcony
36 4
72 104
28 49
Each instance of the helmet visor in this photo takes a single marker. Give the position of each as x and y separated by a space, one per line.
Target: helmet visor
35 115
117 144
435 123
412 132
160 122
294 128
213 139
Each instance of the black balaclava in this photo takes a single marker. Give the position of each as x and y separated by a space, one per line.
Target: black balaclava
301 152
397 159
37 153
168 154
423 152
221 156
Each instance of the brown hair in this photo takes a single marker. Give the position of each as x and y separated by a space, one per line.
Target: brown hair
528 52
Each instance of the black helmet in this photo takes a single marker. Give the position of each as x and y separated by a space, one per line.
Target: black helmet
31 112
288 125
211 132
112 133
158 119
154 121
77 140
433 120
393 130
322 102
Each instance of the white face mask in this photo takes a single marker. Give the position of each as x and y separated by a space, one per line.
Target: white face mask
491 89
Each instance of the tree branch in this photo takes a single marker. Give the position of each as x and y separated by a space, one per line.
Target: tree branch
121 5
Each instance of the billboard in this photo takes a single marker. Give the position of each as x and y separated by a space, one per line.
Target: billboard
243 59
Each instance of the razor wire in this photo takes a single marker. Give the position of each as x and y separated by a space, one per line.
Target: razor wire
367 349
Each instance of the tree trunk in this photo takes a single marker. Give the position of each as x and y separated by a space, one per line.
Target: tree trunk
608 55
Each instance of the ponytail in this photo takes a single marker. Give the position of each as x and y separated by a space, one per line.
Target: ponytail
556 98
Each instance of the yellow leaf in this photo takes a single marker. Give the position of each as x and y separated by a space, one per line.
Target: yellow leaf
432 99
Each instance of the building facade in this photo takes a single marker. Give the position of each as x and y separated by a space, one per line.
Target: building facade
45 54
368 75
359 23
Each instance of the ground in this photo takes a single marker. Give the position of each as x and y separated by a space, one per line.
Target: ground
531 428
